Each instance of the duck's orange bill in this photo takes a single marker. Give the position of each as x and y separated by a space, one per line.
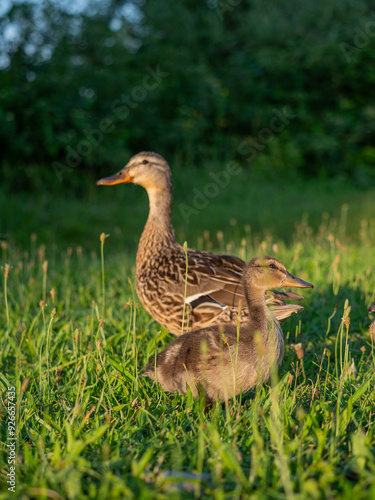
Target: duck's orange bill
294 282
371 309
120 177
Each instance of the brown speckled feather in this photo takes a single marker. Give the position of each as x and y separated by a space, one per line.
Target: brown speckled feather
371 309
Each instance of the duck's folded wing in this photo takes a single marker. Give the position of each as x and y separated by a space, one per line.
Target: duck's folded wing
278 297
214 279
214 283
214 291
284 311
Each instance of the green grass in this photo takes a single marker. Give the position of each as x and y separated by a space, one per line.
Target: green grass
90 427
246 204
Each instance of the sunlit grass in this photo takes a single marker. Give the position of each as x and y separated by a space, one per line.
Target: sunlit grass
90 427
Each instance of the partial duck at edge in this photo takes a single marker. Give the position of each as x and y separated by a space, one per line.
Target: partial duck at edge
371 309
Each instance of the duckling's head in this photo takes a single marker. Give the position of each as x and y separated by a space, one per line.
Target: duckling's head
371 309
268 272
147 169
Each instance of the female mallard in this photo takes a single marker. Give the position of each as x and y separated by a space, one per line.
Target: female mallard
224 360
214 290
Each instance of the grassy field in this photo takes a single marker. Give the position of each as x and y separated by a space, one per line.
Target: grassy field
245 205
73 341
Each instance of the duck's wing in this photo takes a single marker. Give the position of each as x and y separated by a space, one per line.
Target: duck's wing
279 297
214 285
218 278
214 279
211 288
284 311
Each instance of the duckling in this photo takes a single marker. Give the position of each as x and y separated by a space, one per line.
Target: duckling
214 289
224 360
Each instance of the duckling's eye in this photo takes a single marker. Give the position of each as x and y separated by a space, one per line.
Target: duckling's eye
145 162
272 266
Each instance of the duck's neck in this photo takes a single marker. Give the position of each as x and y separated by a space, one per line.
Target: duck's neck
158 234
258 311
264 322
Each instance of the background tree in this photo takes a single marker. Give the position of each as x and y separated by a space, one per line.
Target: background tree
227 66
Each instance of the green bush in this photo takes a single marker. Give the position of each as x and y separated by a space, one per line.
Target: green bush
224 67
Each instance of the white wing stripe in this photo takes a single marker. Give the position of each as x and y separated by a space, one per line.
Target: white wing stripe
191 299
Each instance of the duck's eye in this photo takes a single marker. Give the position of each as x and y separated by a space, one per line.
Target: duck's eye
145 162
272 266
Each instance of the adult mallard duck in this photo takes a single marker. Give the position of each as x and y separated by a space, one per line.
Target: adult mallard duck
224 360
214 290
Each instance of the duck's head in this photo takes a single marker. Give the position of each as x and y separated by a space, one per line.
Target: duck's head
371 309
147 169
269 272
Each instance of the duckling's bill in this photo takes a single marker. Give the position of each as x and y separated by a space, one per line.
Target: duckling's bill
122 176
371 309
294 282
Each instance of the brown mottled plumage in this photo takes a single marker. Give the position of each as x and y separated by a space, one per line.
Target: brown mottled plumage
371 309
223 360
214 288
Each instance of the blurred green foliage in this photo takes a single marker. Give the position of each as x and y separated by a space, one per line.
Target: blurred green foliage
193 80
